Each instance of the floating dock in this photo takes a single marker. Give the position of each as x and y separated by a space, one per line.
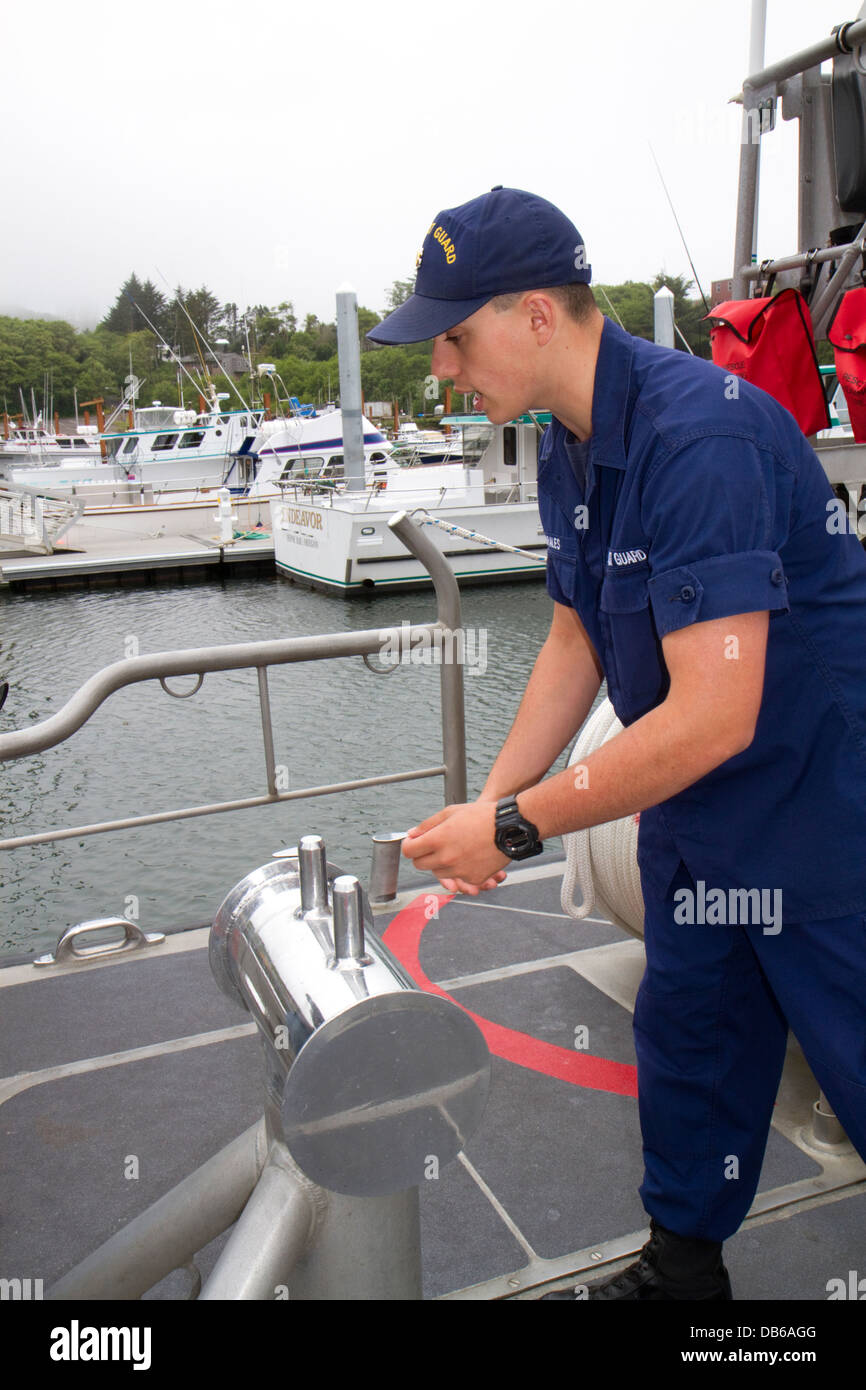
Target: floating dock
169 559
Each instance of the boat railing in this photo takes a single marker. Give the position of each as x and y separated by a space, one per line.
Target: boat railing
412 454
332 491
133 491
760 92
201 661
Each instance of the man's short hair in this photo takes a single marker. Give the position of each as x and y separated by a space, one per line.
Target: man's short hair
578 300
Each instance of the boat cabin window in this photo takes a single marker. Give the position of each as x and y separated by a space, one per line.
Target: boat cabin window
164 441
79 443
64 443
131 445
378 457
301 468
333 468
509 446
191 439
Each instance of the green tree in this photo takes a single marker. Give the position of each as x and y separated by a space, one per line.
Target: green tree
632 302
42 355
135 300
367 319
688 312
204 309
95 379
399 293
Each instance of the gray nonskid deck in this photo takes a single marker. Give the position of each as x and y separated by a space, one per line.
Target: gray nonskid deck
122 1078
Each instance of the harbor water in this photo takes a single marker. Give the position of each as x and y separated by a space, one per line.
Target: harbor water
144 752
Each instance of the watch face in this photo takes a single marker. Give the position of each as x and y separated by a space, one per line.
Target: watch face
514 837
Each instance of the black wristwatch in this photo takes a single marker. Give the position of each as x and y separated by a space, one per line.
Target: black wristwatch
514 836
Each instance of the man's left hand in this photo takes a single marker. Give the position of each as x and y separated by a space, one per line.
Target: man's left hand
457 846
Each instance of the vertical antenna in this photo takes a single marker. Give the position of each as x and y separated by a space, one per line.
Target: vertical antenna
679 229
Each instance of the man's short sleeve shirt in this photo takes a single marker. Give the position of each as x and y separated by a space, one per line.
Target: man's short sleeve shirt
697 497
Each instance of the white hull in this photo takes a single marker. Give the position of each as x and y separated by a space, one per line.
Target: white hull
342 550
342 543
149 521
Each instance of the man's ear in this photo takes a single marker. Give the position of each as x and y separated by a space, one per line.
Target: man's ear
541 312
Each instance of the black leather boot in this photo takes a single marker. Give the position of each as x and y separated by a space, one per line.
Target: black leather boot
669 1267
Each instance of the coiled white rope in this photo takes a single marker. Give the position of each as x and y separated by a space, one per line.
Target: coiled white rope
474 535
602 860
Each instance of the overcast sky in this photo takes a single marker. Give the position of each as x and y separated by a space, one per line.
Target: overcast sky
275 150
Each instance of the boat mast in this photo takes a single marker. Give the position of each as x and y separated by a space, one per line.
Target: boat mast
249 354
170 350
197 334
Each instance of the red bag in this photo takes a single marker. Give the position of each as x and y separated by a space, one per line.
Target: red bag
847 332
769 342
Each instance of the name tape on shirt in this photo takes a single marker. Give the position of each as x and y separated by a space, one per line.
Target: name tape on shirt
624 558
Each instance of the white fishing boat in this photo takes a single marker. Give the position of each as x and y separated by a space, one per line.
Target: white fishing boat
338 540
163 478
32 445
310 446
167 450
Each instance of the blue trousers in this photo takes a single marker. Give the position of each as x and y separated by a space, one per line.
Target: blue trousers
710 1026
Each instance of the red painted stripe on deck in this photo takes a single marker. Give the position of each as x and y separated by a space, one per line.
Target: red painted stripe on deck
403 937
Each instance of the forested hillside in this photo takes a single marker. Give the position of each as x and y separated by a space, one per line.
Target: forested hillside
55 361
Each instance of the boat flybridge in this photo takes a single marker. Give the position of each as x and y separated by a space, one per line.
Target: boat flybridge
307 446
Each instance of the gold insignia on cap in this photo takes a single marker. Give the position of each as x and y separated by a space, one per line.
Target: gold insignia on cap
418 258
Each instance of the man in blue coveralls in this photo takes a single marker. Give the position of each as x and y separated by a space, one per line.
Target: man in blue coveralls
693 562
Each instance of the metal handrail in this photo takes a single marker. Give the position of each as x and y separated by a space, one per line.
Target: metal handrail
844 39
765 86
202 661
300 488
801 258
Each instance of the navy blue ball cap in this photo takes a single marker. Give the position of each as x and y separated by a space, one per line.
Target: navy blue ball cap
505 241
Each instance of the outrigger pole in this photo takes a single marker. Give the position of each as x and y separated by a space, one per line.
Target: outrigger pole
198 334
166 345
